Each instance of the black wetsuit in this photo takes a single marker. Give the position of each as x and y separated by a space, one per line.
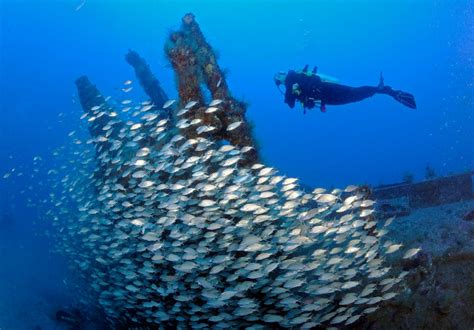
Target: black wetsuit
308 89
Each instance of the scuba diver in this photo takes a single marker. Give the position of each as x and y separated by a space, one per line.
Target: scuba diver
311 89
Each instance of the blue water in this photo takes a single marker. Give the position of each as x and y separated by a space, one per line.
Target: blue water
423 47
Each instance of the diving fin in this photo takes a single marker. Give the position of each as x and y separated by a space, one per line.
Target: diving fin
381 84
404 98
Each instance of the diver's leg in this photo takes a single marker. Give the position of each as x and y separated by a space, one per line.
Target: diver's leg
336 94
363 92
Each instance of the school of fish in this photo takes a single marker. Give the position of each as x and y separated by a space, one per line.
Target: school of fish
175 231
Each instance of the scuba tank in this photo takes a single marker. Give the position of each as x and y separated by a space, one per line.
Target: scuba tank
323 77
280 77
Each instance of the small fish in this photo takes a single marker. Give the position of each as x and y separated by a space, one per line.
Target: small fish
137 222
234 125
211 109
350 200
393 248
366 213
326 198
289 181
367 203
294 283
265 171
250 207
183 123
127 82
191 104
339 318
204 129
207 203
272 318
135 127
147 107
411 253
139 174
126 90
168 104
319 191
143 152
352 319
351 188
80 5
319 229
348 299
389 221
195 121
182 112
389 295
350 285
140 162
215 102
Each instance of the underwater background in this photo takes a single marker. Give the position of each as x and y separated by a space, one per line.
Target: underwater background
423 47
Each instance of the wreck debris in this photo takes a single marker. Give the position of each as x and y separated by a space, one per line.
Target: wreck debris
104 123
194 63
438 191
148 81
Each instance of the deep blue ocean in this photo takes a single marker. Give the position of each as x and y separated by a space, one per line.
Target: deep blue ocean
423 47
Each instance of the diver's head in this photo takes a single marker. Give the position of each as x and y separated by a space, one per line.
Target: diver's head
280 78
